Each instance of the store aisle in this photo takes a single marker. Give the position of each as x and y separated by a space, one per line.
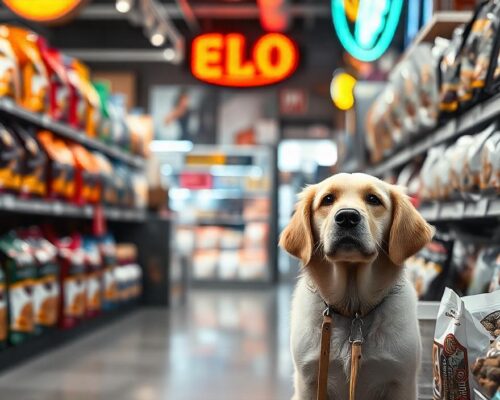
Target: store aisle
223 345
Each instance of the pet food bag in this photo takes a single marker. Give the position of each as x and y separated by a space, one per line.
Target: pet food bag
93 262
459 339
19 265
11 156
10 79
485 308
490 161
107 247
77 101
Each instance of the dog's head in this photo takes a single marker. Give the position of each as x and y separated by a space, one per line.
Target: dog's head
354 222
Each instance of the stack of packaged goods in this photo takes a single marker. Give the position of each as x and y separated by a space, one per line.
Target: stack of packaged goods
49 282
38 163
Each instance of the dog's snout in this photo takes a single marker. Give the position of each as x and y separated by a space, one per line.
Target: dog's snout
347 217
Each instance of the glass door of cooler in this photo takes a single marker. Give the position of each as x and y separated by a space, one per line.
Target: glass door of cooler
222 199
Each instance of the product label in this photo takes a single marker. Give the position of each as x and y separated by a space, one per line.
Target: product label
46 300
74 296
451 371
21 307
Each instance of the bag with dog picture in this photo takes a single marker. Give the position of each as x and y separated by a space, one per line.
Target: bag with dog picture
459 339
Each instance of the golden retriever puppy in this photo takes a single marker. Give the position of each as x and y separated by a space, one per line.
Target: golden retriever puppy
353 233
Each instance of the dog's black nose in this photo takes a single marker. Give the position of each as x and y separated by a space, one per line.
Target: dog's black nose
347 217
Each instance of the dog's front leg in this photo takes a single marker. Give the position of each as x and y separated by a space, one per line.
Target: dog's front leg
304 388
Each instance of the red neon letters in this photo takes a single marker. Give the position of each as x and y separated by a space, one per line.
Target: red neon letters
220 59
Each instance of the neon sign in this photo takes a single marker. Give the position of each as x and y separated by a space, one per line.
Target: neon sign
221 59
366 27
45 11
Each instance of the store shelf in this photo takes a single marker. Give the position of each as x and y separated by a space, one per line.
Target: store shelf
220 283
460 210
480 396
12 204
8 107
12 356
468 122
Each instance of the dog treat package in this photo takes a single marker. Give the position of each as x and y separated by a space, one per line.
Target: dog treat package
426 60
487 263
463 264
470 52
77 101
122 185
379 129
4 323
107 248
495 278
459 339
491 61
11 156
93 262
403 100
108 191
472 165
34 81
117 110
458 154
33 165
490 161
486 370
449 72
59 90
87 187
103 89
92 113
19 266
485 308
427 172
10 78
428 270
60 168
46 283
72 279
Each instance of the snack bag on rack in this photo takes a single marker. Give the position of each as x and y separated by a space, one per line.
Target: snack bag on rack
470 53
470 180
442 174
395 113
448 68
485 308
10 78
34 78
19 265
490 161
60 168
34 163
427 178
86 175
141 133
92 116
459 339
46 283
104 130
77 101
72 279
59 89
405 79
11 157
94 276
457 160
107 179
120 134
379 130
487 262
107 247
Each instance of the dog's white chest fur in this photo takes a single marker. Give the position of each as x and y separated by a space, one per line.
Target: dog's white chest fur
390 353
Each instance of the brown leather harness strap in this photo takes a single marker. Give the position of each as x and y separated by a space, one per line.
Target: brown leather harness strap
356 340
324 357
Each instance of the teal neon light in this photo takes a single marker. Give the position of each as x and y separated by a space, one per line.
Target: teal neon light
376 19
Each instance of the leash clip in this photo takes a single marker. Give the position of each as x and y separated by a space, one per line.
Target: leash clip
328 311
356 334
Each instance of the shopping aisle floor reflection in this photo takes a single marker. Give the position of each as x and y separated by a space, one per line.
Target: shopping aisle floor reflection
222 345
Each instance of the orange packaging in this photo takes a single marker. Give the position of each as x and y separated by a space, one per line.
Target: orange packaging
34 81
11 156
107 183
60 168
87 188
10 79
92 116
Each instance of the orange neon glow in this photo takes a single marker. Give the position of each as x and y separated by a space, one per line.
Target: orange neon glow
273 15
222 59
44 10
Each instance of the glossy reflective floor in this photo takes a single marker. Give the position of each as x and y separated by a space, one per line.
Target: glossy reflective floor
221 346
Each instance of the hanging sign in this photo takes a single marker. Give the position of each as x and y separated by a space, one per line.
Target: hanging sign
222 59
366 27
44 11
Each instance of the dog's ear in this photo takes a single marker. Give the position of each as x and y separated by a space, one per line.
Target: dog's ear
409 231
297 238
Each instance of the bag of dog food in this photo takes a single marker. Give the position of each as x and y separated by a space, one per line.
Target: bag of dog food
486 309
487 262
10 80
459 339
93 261
486 369
11 156
19 264
107 247
490 161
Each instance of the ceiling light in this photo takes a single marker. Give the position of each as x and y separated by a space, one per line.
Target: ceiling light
169 54
124 6
157 39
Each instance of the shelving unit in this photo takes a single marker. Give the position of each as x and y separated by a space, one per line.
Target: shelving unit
12 204
470 121
11 109
460 210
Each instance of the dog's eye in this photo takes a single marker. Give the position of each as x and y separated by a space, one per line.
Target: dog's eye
328 200
373 200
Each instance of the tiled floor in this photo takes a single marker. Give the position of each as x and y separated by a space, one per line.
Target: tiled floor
222 346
